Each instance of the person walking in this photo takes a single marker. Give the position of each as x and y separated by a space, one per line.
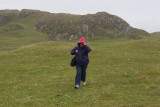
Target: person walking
82 61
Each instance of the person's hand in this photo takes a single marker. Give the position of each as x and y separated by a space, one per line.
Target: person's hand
76 51
84 43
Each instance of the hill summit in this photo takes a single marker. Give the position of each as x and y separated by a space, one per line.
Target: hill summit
69 26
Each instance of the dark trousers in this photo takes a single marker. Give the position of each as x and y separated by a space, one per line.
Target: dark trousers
81 73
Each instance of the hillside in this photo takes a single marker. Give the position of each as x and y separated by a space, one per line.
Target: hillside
35 71
15 33
119 74
70 27
155 36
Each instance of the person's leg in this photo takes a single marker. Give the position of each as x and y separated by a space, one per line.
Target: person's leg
78 75
83 75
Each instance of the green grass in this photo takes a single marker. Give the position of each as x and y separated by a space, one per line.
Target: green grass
120 74
154 36
13 38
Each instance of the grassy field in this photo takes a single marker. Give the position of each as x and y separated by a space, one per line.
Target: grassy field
120 74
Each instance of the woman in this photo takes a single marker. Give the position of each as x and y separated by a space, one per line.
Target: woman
82 61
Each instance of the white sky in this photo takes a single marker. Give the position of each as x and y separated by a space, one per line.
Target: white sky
143 14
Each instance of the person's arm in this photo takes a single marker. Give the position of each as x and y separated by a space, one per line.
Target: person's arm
73 51
88 49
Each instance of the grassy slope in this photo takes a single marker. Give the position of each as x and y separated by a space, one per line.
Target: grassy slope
154 36
119 74
12 38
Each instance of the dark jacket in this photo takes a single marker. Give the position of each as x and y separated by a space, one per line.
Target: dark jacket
82 55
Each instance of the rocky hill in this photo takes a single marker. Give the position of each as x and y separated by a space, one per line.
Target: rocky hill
70 27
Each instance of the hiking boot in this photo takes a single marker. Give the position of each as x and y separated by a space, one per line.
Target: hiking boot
84 83
76 87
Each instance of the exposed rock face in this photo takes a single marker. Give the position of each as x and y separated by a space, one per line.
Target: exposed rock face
99 24
25 13
59 36
74 37
7 15
72 27
4 19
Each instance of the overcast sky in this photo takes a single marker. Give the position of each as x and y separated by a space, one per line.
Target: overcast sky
143 14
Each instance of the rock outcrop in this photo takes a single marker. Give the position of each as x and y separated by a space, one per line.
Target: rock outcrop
71 27
76 26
